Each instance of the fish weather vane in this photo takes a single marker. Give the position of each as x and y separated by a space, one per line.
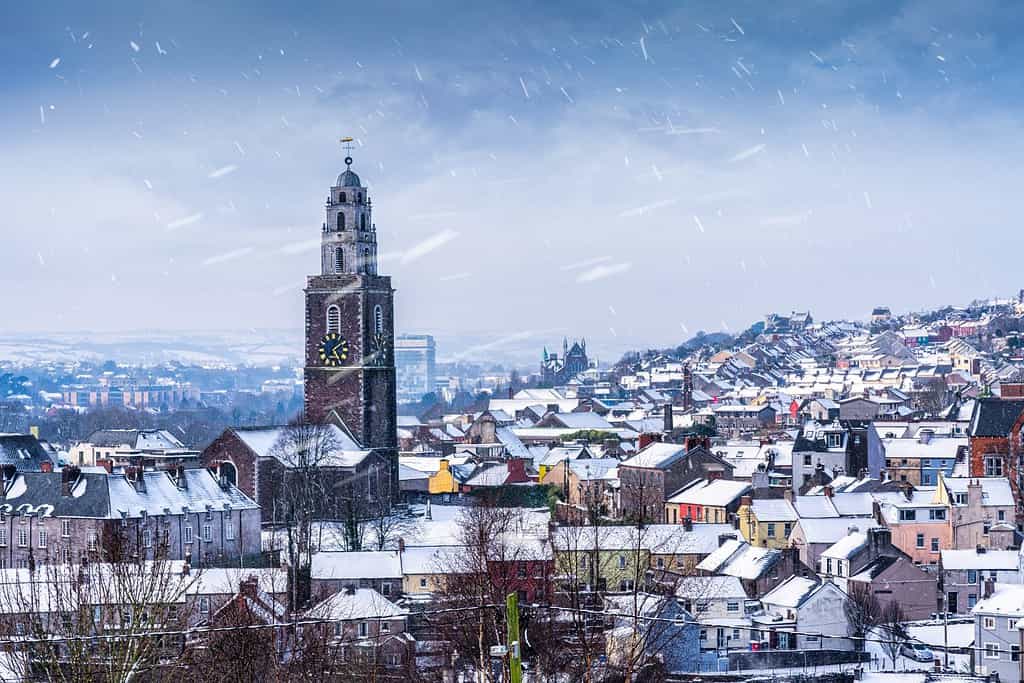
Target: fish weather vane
346 144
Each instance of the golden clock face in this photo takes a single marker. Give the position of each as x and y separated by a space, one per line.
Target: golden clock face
333 350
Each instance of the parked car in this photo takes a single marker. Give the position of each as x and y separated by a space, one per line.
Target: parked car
919 652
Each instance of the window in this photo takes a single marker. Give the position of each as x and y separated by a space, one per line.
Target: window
937 514
920 540
771 530
362 221
985 526
126 616
1002 515
521 570
622 561
926 463
991 651
972 576
1011 625
22 538
935 545
188 533
988 623
661 562
65 528
994 466
378 320
147 538
341 220
908 515
385 589
92 542
423 583
204 605
229 530
333 319
1015 653
42 538
341 197
3 537
972 600
364 629
207 533
366 260
786 528
807 459
339 260
626 585
732 606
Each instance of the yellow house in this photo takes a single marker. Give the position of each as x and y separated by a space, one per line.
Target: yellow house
424 568
440 478
767 523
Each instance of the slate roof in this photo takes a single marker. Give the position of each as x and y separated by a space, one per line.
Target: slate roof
24 451
134 438
994 416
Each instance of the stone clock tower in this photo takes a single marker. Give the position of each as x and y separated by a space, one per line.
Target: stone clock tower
350 363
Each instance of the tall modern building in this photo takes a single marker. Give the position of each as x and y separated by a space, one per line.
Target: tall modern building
414 363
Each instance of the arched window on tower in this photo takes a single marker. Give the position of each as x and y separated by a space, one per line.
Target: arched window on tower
378 320
333 319
366 259
341 197
341 220
360 200
362 222
339 260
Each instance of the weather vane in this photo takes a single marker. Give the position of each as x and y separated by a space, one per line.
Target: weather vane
346 144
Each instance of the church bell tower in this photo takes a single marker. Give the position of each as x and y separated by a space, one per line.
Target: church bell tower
350 366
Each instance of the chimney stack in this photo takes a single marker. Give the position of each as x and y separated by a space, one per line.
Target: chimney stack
667 412
68 478
688 523
990 587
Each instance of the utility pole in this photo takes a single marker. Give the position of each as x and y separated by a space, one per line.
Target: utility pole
515 655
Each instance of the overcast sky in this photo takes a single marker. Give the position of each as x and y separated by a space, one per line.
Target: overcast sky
632 172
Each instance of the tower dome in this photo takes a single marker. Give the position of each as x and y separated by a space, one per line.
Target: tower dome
349 179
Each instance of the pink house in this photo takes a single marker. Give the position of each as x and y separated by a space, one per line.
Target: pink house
920 521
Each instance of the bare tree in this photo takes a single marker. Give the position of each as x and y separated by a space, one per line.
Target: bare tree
863 610
302 495
892 630
99 620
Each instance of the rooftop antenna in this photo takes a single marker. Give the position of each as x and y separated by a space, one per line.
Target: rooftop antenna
346 144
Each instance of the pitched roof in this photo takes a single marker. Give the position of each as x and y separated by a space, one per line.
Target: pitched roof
272 442
792 592
24 451
713 492
367 564
360 603
657 455
994 416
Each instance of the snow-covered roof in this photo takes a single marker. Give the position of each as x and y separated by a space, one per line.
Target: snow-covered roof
847 546
1006 560
740 559
367 564
710 588
773 510
995 491
792 592
273 442
357 604
657 455
711 492
1006 600
830 530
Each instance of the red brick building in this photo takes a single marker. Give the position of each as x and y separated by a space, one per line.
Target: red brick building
995 442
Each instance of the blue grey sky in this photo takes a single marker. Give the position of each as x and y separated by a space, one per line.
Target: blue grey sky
632 172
